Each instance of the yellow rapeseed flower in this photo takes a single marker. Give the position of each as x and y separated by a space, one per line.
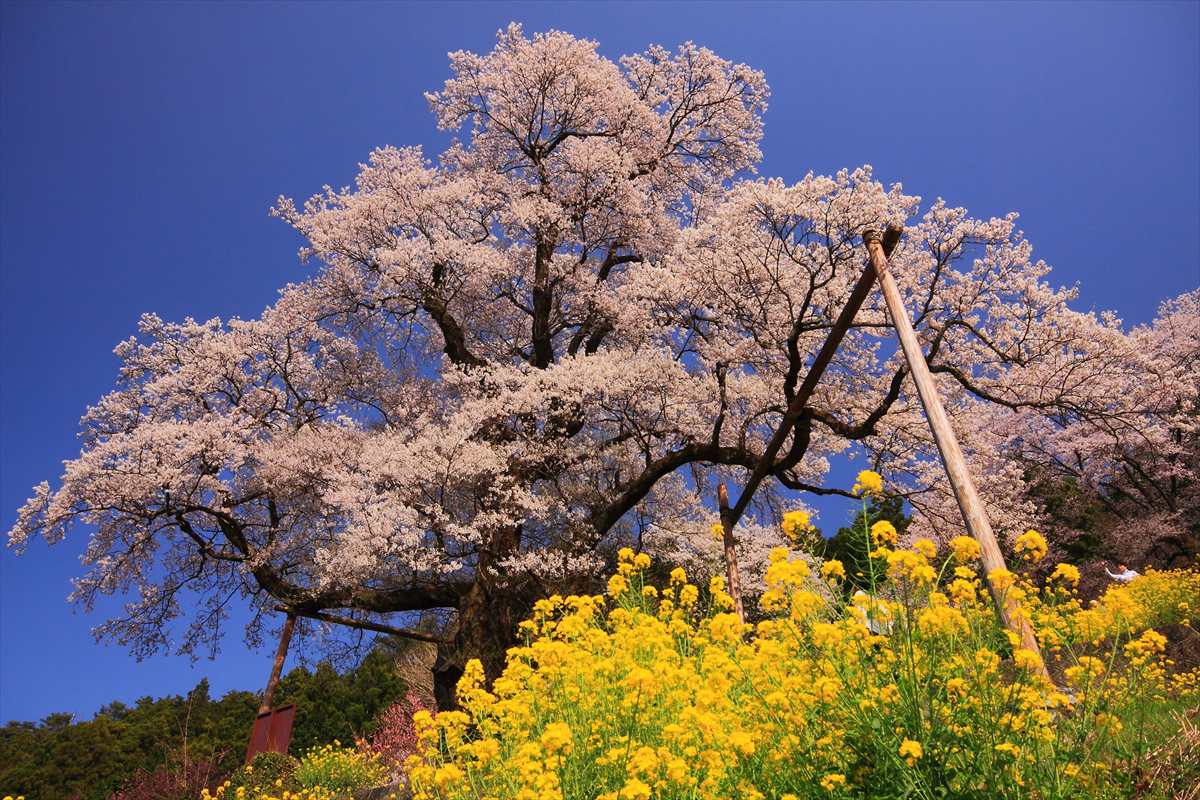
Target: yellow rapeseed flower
678 697
1066 572
635 789
832 781
965 549
833 569
1031 545
795 524
868 483
910 751
925 547
883 532
1001 579
556 738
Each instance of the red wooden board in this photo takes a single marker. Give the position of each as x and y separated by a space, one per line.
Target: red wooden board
272 732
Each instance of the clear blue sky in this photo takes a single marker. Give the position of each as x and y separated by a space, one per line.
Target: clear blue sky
143 144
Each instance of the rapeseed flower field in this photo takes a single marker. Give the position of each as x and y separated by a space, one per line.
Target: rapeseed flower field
658 690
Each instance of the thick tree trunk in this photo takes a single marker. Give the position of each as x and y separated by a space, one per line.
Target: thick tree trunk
486 628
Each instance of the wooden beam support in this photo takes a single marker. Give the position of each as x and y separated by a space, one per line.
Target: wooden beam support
366 625
833 340
796 407
732 577
973 513
285 639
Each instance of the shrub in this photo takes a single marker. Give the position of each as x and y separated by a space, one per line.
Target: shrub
395 738
331 772
181 781
911 690
340 769
265 773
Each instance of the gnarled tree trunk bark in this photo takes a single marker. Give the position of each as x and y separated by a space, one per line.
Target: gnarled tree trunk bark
486 627
487 618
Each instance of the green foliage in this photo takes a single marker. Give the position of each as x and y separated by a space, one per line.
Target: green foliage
61 758
337 707
1068 507
849 544
333 706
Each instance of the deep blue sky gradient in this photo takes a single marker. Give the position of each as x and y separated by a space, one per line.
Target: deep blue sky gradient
143 144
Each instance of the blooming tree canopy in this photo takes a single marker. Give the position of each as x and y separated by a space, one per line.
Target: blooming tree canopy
546 341
1123 461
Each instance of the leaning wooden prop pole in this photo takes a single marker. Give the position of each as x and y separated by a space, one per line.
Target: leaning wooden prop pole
969 503
732 577
285 639
796 407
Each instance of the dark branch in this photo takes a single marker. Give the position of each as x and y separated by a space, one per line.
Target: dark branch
363 624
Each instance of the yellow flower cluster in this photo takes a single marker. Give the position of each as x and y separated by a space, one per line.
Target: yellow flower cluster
965 549
868 483
883 533
833 569
666 694
796 524
1031 546
340 768
276 792
1066 572
323 773
1154 599
910 751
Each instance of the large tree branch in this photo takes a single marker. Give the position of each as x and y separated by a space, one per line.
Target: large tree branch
543 303
634 491
812 488
965 381
452 333
593 329
867 426
416 596
206 548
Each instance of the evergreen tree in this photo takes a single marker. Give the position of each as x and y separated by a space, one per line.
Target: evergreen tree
61 758
849 544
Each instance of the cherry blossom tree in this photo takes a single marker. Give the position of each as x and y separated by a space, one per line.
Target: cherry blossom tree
548 341
1122 467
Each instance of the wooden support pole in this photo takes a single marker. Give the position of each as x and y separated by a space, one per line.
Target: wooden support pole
795 408
285 639
731 566
365 625
833 340
969 504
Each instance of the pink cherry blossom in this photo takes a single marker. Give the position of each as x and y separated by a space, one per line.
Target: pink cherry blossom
553 339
